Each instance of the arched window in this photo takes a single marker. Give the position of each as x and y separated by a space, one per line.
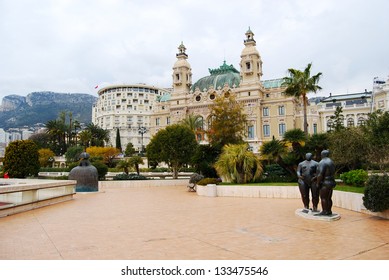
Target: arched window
350 122
361 121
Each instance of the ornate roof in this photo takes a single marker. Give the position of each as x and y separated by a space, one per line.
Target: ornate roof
225 74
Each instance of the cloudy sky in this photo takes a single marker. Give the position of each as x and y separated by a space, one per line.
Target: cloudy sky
74 45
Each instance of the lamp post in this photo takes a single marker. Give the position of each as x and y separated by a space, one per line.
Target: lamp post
142 130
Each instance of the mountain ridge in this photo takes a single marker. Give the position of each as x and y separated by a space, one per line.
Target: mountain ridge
43 106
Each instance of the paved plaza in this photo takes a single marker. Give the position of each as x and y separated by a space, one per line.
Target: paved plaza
170 223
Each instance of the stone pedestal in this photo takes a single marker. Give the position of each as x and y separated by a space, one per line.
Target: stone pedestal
309 214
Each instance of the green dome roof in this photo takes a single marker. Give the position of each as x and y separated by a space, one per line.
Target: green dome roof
218 78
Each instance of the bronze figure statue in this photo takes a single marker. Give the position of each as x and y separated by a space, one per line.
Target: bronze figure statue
326 182
306 173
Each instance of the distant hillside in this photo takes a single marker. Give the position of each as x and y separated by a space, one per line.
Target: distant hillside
40 107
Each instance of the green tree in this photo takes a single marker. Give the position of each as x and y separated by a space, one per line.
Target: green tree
118 141
85 137
298 84
135 161
21 159
348 147
238 164
316 144
44 157
124 164
73 154
174 145
99 136
274 151
42 140
228 121
337 119
295 138
376 130
204 159
130 150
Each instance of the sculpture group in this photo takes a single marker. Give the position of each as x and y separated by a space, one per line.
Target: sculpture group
317 178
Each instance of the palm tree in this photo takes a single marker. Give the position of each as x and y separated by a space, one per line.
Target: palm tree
85 137
193 122
297 138
238 164
275 151
135 161
125 164
99 135
298 84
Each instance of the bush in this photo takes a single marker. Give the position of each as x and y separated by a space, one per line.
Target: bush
356 177
275 173
102 169
21 159
206 181
131 176
376 197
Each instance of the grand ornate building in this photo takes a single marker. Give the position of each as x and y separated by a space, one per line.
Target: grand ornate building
269 112
139 110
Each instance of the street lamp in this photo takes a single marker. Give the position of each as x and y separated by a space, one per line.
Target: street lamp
142 130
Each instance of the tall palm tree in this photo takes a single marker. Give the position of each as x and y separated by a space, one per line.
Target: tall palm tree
298 84
99 135
297 138
238 164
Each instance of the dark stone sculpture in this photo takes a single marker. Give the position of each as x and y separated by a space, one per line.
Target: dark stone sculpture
86 175
306 172
326 182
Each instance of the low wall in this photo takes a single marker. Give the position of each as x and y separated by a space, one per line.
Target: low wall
142 183
346 200
18 195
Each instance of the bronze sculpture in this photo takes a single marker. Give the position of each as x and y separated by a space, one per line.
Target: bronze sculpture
326 182
306 172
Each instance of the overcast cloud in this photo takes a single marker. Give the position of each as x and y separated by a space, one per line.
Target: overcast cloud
74 45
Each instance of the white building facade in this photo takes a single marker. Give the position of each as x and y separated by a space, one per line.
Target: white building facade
128 108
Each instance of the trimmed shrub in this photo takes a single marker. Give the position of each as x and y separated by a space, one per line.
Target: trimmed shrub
131 176
356 177
376 196
102 169
21 159
206 181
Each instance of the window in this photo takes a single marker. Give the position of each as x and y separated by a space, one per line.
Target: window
281 129
250 132
167 120
265 111
177 77
266 130
350 122
361 121
248 66
157 120
281 110
315 128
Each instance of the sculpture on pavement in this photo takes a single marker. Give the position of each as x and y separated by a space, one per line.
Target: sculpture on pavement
306 173
326 182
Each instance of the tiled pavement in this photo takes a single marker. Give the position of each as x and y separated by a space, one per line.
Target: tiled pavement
169 223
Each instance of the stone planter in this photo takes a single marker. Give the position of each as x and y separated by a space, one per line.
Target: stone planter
211 190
